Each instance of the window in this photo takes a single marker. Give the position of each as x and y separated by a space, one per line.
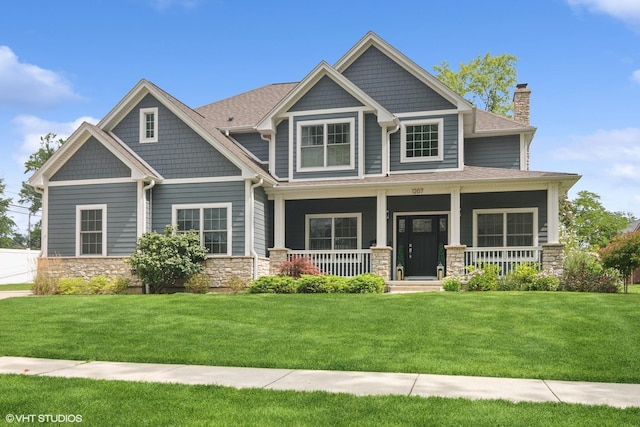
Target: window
91 230
421 140
333 231
512 227
326 144
148 125
212 222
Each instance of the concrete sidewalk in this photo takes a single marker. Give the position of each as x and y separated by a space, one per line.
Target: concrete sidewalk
11 294
358 383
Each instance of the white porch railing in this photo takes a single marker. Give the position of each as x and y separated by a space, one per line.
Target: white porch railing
346 263
507 257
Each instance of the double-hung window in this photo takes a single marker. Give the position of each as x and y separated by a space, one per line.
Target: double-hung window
91 230
333 231
326 144
149 125
505 228
212 222
421 140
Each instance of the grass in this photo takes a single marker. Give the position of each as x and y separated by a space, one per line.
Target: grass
564 336
16 287
634 289
109 403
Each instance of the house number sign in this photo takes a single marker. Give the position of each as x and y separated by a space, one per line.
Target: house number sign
417 190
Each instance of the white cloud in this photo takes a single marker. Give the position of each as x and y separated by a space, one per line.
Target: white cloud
635 76
28 85
31 128
624 172
610 145
624 10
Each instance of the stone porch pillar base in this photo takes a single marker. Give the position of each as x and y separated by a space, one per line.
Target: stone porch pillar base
553 256
455 260
381 261
277 256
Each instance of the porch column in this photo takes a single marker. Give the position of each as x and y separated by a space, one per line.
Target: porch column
381 218
553 214
278 221
381 261
454 226
276 257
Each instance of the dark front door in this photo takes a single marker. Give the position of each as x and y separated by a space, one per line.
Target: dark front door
421 240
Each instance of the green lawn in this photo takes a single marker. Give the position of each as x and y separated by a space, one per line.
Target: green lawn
634 289
16 287
565 336
118 403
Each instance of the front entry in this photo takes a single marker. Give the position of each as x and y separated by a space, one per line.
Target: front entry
420 243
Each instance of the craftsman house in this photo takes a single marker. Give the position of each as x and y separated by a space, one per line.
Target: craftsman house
370 164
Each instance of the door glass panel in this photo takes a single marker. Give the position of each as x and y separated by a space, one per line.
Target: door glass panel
443 224
422 225
401 225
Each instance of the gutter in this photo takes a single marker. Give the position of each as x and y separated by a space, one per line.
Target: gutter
252 228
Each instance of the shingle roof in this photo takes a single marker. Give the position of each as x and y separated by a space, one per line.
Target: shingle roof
487 121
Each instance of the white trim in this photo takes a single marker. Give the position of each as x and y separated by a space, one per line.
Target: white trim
279 227
523 152
248 217
291 151
234 178
144 112
454 217
79 209
360 145
333 216
227 205
504 211
553 214
68 183
324 122
403 140
427 113
44 234
460 141
326 111
141 214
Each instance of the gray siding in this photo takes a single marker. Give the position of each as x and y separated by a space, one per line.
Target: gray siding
450 146
121 216
391 85
329 173
166 195
254 144
282 149
261 222
372 145
92 161
515 199
295 211
495 152
323 95
180 152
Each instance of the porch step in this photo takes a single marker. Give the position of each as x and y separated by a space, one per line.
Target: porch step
410 286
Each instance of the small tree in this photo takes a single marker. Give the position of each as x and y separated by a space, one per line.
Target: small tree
163 260
623 254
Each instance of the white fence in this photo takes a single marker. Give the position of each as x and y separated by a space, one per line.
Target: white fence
18 265
340 263
506 258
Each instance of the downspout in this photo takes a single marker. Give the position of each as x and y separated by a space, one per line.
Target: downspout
252 228
44 228
144 190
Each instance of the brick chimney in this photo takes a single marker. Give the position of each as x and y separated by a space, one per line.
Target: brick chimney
521 104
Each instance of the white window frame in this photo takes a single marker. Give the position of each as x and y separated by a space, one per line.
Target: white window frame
352 144
403 140
201 206
333 216
79 209
144 112
504 213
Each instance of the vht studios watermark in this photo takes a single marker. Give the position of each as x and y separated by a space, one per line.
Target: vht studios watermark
43 418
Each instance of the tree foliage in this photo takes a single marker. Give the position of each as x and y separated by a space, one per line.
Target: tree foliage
589 224
164 260
623 254
48 145
7 224
487 79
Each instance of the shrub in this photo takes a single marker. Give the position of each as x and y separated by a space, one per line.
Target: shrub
310 284
337 284
546 280
46 281
483 278
584 273
236 284
73 286
198 284
366 283
93 286
298 266
273 285
452 284
165 259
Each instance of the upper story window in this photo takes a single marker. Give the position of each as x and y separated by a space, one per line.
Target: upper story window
149 124
422 140
326 144
212 222
91 230
505 228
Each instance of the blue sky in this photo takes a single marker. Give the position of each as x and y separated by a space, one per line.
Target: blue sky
65 62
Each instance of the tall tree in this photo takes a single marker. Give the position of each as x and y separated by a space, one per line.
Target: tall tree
7 224
486 79
28 195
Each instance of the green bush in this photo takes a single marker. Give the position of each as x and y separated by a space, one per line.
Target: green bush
546 280
73 286
367 283
483 278
198 284
337 284
308 284
95 285
273 285
584 273
452 284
